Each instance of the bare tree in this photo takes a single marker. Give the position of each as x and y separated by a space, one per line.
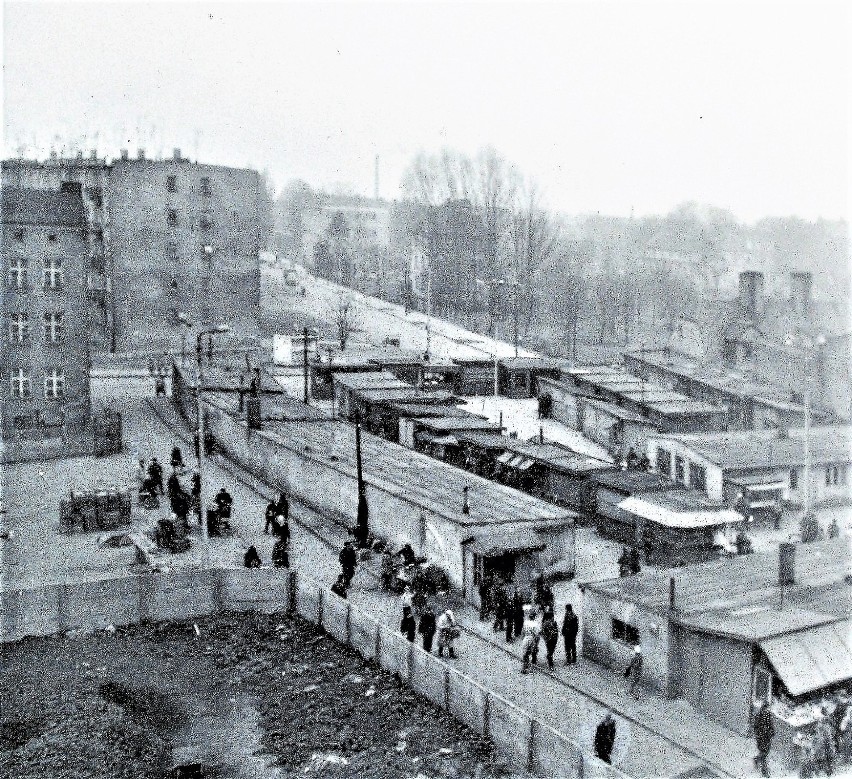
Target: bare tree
346 319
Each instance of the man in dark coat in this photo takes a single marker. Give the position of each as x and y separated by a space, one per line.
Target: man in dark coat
499 605
280 555
269 515
550 634
764 730
339 587
605 738
570 627
283 506
486 586
251 559
426 628
155 471
281 528
408 626
173 485
348 560
518 612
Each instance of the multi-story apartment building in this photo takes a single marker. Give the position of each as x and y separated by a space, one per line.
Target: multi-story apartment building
44 360
166 236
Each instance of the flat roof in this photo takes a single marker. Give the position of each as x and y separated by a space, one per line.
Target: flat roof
368 380
683 514
619 412
405 392
631 482
739 597
453 423
483 440
425 481
752 449
533 363
427 410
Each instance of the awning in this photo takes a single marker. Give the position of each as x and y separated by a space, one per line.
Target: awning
663 515
506 542
423 435
812 659
505 457
445 440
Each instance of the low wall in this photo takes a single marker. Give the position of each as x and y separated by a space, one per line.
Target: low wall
517 735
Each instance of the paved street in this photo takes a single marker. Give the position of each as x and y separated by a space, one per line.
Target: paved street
574 700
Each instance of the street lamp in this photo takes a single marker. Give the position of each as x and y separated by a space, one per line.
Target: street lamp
809 345
199 389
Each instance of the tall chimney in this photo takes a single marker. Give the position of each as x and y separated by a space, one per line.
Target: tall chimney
376 180
125 155
751 293
93 154
801 287
140 153
176 154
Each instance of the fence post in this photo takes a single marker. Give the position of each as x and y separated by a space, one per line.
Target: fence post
348 624
291 593
531 744
378 643
320 599
447 689
486 714
410 662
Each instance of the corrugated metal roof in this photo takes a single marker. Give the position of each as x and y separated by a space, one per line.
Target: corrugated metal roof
812 659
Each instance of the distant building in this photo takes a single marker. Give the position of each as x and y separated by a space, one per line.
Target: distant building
44 357
768 465
166 236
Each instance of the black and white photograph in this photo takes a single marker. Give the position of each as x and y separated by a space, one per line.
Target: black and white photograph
426 390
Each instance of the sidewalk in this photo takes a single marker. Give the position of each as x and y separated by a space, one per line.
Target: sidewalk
572 699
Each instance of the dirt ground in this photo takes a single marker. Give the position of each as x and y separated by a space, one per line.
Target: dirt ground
241 696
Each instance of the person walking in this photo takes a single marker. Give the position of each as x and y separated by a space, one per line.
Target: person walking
510 613
825 748
408 626
269 515
348 561
155 471
764 730
633 673
427 627
518 612
550 634
530 632
173 485
177 458
281 529
448 631
280 554
570 627
605 738
283 506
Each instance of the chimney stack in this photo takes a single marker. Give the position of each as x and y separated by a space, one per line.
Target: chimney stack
140 153
79 154
801 287
176 154
93 154
125 155
786 563
751 293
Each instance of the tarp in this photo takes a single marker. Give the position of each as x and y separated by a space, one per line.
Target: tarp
812 659
662 515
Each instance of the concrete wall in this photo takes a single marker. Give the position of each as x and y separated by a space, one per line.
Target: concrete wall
516 734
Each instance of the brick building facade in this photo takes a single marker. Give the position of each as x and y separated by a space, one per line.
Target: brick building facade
44 358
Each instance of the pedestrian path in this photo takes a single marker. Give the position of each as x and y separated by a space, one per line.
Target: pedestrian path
666 737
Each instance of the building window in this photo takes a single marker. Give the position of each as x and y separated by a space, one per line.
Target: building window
171 250
52 273
621 631
664 461
53 327
794 479
697 477
97 197
20 383
172 217
19 328
206 191
827 476
19 236
680 469
54 384
17 272
171 183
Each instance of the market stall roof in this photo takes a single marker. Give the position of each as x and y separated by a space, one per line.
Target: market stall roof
760 480
533 363
630 482
448 424
483 440
408 409
495 543
406 392
368 380
684 517
446 440
813 658
619 412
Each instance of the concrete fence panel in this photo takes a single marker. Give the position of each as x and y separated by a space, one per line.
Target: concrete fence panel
265 590
92 605
178 595
308 599
509 730
468 702
30 612
335 616
554 755
362 633
428 677
394 651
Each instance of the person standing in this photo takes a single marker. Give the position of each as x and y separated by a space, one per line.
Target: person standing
485 588
824 744
283 506
510 613
348 560
550 634
518 612
570 627
427 628
499 605
633 673
605 738
447 633
280 554
269 515
764 730
281 528
408 626
530 631
155 471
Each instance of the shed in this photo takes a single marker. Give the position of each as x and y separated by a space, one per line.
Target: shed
475 377
518 377
347 384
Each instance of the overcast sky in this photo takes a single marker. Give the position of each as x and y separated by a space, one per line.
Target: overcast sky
611 107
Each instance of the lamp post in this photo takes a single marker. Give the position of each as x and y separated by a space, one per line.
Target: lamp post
199 390
187 322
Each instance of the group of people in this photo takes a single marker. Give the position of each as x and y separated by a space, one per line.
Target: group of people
276 522
445 626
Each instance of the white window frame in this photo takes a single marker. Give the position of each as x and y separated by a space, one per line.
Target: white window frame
19 327
20 383
18 269
53 322
52 274
54 384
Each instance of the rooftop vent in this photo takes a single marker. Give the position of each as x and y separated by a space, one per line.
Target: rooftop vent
176 154
140 153
125 155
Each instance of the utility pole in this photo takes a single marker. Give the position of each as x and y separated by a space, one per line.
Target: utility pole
515 314
362 526
305 361
428 308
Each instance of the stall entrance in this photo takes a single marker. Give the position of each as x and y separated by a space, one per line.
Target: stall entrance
500 565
